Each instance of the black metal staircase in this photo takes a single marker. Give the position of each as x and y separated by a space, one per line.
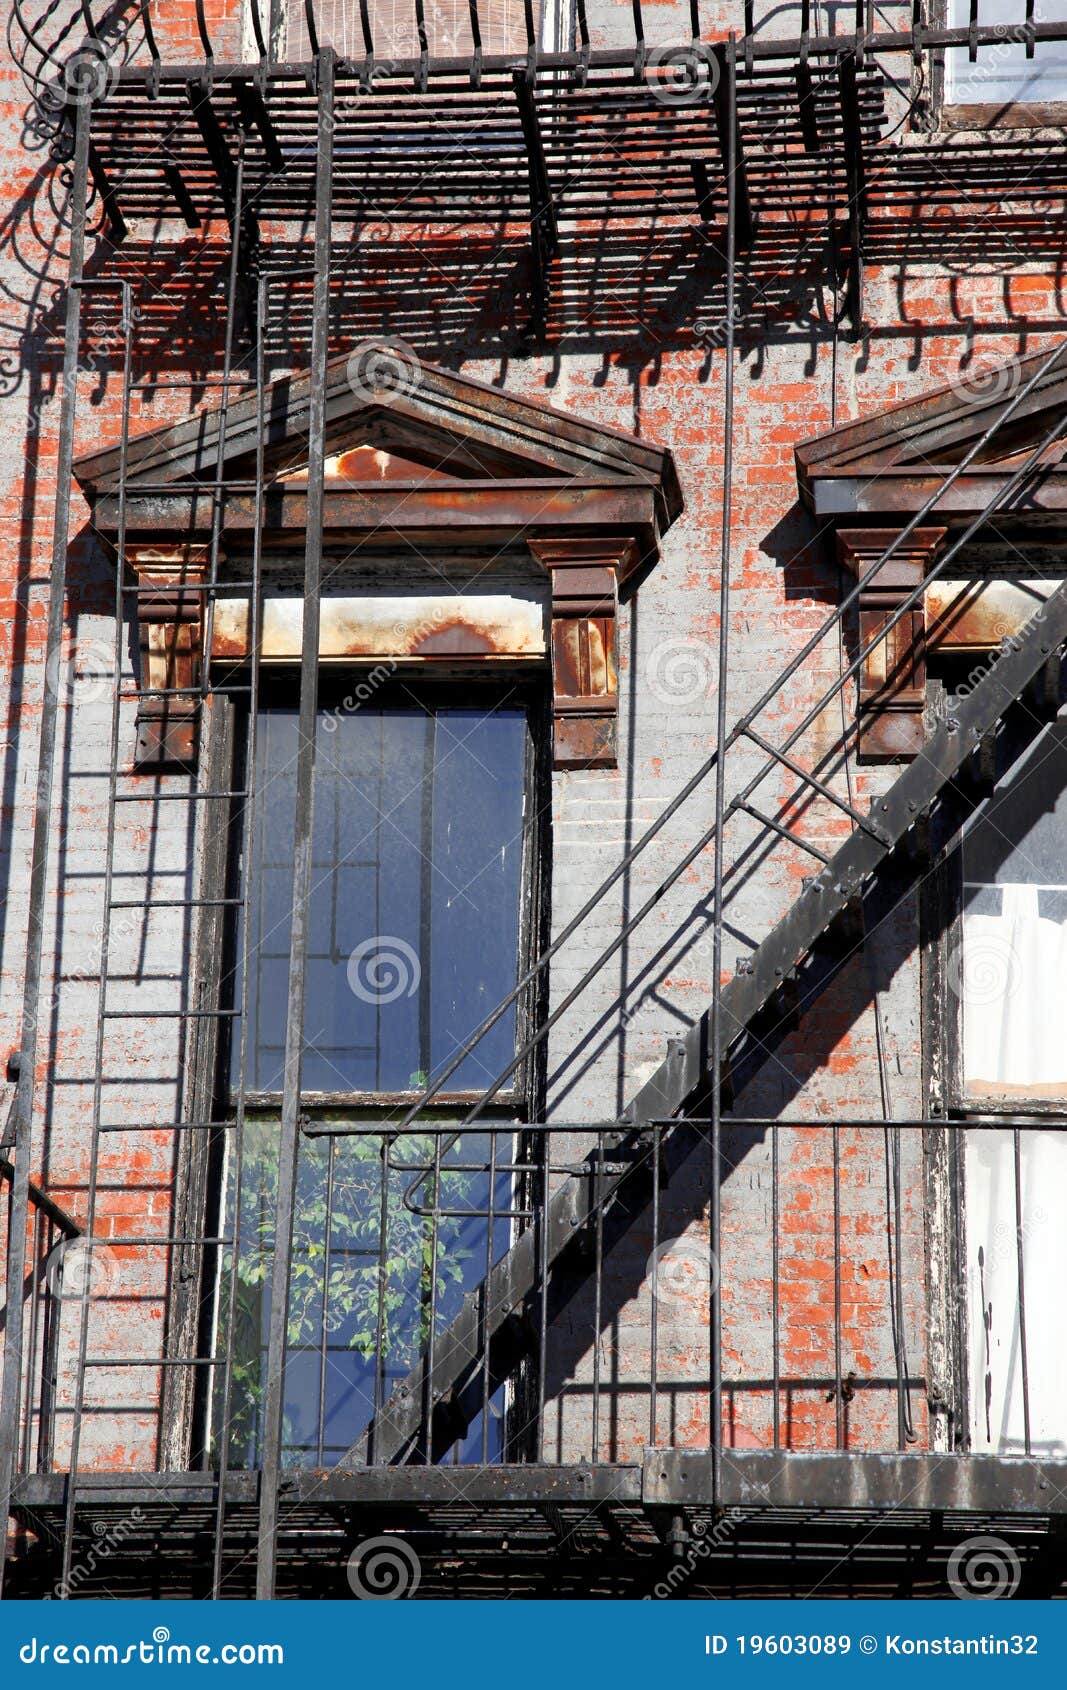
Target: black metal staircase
877 863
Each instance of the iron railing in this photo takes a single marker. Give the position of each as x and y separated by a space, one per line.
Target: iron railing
508 1392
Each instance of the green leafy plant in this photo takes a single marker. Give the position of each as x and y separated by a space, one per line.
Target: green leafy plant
346 1294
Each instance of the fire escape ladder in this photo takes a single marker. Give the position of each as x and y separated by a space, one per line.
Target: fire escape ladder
878 859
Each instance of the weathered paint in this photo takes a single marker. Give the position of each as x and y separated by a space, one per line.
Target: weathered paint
424 626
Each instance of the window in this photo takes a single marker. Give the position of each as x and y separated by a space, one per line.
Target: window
1011 965
423 864
416 917
1002 76
395 31
1007 972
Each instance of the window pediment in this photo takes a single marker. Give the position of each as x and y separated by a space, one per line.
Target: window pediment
419 461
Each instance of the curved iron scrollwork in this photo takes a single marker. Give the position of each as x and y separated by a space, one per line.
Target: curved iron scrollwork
70 51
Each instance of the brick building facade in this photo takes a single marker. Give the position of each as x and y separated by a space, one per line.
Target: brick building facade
449 389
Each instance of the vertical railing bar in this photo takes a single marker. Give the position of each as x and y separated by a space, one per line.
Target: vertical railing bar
838 1381
431 1294
365 26
78 1409
235 1140
721 734
49 1363
907 1428
776 1288
30 1394
324 1324
218 494
21 1122
380 1335
421 74
1024 1359
598 1296
653 1354
257 29
542 1336
313 34
483 1307
302 843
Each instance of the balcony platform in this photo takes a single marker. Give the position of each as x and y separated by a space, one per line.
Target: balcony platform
785 1523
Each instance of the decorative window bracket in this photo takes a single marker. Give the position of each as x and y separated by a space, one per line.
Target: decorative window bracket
892 681
170 603
585 576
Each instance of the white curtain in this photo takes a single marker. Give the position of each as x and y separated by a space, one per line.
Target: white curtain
991 1289
1002 74
1012 981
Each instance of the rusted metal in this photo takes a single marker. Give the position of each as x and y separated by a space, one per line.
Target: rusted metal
424 627
978 615
391 399
892 679
493 512
902 453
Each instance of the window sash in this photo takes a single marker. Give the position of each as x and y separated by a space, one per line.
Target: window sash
1002 75
385 994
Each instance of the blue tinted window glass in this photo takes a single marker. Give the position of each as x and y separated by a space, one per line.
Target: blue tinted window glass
414 930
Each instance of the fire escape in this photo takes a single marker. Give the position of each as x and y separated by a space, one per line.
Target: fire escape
759 143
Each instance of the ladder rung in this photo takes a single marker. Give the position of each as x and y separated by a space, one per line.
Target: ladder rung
172 903
167 1243
165 1126
159 1361
169 1014
173 797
